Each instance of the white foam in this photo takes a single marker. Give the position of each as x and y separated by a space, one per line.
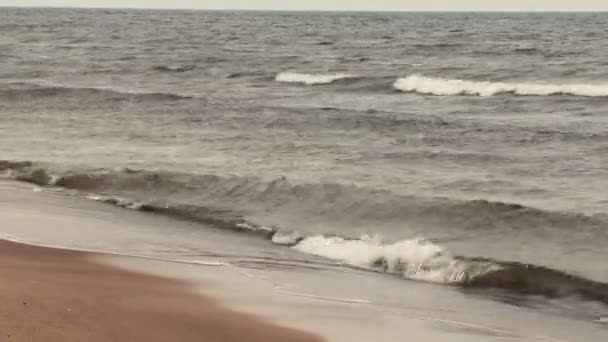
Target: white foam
602 320
247 227
413 259
118 201
175 67
286 237
309 79
446 87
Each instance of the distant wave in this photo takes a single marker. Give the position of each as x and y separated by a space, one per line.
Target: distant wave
310 79
20 90
446 87
227 202
241 74
175 68
345 82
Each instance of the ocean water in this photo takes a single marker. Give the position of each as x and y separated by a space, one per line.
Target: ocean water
462 149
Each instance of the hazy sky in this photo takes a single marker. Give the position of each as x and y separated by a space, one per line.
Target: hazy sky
403 5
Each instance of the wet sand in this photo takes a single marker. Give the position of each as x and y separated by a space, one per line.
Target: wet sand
57 295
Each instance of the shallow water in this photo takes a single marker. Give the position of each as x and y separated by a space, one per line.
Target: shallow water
281 284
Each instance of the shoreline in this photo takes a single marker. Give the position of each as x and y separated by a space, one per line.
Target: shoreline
251 277
50 294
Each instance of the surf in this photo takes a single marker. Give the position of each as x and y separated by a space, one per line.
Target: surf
309 79
417 259
452 87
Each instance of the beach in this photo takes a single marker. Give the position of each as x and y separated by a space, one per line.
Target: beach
343 176
56 295
117 277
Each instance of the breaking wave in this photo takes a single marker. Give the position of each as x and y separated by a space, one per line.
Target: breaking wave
309 79
231 202
420 259
446 87
413 259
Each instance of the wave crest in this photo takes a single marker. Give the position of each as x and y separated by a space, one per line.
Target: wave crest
449 87
309 79
298 206
416 259
419 259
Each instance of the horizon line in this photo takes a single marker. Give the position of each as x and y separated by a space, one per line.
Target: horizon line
304 10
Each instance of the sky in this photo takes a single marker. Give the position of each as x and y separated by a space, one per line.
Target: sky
341 5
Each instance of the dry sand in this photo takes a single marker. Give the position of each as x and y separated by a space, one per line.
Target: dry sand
56 295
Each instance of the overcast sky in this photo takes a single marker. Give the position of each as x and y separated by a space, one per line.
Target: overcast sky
374 5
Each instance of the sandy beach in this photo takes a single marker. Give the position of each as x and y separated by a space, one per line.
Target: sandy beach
57 295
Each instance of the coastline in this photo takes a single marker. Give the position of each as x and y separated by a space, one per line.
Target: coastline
341 177
60 295
250 277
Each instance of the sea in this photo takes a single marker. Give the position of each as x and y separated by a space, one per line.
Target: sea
467 150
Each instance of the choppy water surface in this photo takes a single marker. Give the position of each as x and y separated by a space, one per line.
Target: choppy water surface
470 148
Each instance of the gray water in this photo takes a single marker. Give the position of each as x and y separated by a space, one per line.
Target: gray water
484 134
